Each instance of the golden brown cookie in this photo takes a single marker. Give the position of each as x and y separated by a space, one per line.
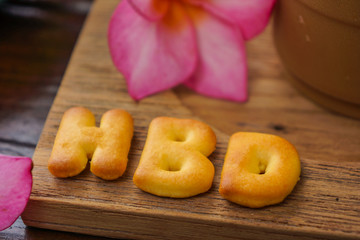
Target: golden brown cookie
174 160
259 169
78 139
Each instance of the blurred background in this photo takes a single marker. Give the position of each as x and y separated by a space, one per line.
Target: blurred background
36 40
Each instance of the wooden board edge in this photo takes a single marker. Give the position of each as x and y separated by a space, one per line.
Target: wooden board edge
72 216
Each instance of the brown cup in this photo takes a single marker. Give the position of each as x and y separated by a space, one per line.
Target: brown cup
319 44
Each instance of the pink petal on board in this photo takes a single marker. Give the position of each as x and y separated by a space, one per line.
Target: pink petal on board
151 56
15 188
222 68
147 10
251 16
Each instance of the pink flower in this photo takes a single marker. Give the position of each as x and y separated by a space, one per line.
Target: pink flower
158 44
15 188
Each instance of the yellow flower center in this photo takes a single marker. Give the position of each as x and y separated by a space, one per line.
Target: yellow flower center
178 12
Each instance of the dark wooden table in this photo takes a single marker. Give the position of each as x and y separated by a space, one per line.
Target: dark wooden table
36 40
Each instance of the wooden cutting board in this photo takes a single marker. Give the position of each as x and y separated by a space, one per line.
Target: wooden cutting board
324 205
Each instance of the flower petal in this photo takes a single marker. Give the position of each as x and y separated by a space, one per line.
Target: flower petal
151 55
251 16
222 70
15 188
152 10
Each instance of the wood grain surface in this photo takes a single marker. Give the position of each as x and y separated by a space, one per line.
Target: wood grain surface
30 74
324 205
